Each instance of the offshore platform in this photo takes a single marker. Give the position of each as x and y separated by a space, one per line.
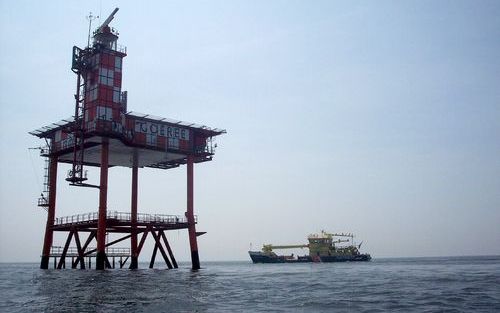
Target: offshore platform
102 133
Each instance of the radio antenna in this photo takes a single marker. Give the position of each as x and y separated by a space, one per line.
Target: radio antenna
90 17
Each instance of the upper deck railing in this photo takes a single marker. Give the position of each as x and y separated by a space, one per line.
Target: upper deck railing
121 48
122 217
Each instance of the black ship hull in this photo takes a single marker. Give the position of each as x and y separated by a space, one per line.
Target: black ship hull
345 258
260 257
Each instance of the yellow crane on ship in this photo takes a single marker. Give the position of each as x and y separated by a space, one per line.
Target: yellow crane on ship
269 248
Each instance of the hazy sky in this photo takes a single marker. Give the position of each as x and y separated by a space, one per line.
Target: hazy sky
373 117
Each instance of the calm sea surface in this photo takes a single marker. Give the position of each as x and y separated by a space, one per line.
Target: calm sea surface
464 284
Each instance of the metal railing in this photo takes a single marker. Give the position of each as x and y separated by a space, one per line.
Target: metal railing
122 217
121 48
73 251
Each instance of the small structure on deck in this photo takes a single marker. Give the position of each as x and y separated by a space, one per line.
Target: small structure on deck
102 133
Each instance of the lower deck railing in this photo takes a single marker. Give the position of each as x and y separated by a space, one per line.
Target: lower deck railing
73 251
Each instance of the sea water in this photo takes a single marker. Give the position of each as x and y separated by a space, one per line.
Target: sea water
451 284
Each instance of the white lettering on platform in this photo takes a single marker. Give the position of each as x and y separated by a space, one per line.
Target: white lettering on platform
161 130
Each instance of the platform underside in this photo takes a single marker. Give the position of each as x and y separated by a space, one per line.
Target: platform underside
121 154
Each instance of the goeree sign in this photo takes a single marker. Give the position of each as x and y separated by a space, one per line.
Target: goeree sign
161 130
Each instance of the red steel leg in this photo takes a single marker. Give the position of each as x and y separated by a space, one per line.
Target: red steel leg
133 239
195 259
49 233
103 195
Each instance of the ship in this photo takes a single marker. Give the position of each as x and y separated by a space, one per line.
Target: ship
323 247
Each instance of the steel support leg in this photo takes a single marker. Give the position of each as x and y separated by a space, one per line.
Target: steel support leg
195 259
122 263
133 239
49 233
153 256
143 239
160 247
103 195
170 253
62 259
106 262
80 258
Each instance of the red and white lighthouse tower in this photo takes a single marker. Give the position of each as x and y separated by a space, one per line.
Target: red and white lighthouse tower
103 133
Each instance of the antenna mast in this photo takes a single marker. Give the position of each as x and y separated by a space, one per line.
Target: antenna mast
90 17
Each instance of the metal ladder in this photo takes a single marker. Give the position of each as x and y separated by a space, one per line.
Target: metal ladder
43 200
76 176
